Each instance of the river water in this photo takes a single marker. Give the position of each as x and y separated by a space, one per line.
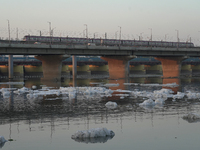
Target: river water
49 124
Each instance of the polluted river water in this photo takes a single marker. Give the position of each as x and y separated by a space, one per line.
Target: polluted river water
142 114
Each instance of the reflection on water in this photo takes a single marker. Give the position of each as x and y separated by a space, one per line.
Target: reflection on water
22 118
94 140
2 144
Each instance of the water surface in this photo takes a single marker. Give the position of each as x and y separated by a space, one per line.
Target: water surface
48 125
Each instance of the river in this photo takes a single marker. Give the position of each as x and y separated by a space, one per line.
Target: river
49 124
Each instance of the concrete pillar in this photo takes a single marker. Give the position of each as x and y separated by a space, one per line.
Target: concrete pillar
74 64
171 66
171 70
52 65
118 66
10 66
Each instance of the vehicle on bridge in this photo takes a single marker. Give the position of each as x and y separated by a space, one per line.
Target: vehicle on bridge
106 42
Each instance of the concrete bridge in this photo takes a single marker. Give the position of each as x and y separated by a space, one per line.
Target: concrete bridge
44 49
116 56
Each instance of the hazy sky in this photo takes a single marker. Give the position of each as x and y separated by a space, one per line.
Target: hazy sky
136 17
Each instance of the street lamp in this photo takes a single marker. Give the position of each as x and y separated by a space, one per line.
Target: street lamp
17 34
49 31
177 35
10 59
151 33
120 32
49 28
177 38
8 31
86 30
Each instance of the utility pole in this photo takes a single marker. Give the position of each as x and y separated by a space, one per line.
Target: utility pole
50 31
17 34
151 34
10 57
86 31
177 38
8 31
120 32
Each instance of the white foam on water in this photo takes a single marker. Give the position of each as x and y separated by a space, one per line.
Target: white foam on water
93 133
111 105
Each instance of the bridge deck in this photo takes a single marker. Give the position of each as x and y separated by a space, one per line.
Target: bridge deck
43 49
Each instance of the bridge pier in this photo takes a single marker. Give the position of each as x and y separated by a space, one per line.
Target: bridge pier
74 64
51 66
171 66
10 66
118 66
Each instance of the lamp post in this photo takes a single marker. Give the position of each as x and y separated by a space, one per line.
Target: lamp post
8 31
86 29
49 28
151 34
177 35
17 34
120 32
177 38
10 57
50 31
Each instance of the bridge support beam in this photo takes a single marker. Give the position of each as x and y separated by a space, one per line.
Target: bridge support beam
74 64
10 66
52 66
171 66
118 66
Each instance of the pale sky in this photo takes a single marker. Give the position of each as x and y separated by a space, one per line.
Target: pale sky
135 17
